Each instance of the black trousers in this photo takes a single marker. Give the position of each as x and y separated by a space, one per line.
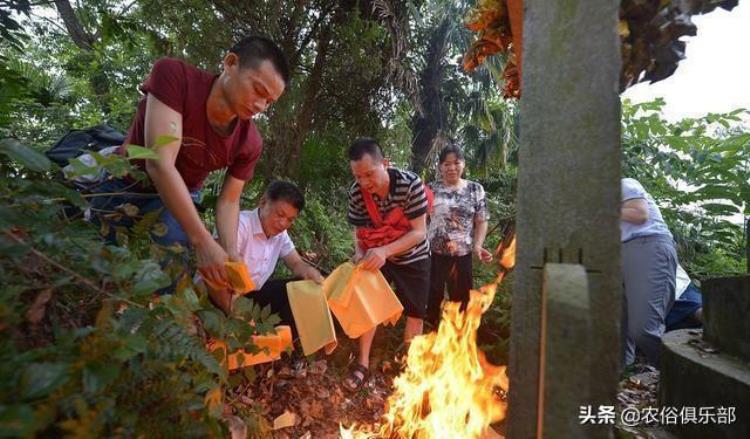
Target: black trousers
455 272
273 293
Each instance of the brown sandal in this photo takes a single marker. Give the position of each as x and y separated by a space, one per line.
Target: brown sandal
355 379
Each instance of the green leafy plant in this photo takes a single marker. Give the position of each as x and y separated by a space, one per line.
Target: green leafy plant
697 169
86 349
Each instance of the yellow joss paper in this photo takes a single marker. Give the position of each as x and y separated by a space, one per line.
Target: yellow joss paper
312 316
239 278
360 299
271 345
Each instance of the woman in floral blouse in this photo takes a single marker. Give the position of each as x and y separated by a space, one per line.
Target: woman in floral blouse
458 226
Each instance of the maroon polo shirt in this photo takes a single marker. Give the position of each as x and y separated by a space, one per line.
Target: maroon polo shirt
185 89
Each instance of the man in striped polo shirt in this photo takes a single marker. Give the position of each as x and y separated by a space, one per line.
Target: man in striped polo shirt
399 249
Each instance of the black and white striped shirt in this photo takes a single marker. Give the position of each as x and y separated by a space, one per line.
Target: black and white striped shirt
407 192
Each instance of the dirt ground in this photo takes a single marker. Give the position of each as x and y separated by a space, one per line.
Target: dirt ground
308 397
308 393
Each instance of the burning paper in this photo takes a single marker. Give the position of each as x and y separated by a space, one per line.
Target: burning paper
448 388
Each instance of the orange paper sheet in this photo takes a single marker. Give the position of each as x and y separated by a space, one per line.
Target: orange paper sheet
360 299
240 281
275 343
312 316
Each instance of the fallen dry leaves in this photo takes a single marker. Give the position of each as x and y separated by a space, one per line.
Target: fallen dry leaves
306 399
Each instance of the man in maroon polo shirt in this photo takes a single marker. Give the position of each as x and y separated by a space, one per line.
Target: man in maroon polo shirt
210 116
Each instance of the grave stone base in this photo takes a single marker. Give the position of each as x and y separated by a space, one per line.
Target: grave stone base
695 374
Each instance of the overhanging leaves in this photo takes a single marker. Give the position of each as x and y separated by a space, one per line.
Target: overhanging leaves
25 156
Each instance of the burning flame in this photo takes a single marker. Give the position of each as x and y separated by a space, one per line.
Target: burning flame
448 388
506 253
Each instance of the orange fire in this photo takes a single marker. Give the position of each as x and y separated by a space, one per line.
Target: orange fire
448 388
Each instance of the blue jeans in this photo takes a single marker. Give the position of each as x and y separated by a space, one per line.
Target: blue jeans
120 192
681 314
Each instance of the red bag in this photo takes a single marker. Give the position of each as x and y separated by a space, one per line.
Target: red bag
388 229
430 198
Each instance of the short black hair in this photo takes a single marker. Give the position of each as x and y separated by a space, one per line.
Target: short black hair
365 145
285 191
450 149
255 49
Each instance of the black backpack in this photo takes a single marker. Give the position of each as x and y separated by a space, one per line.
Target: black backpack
77 142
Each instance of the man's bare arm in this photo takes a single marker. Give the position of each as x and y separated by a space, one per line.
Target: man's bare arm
634 211
161 120
228 213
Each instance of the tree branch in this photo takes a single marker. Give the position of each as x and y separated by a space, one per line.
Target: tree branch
324 14
79 36
50 21
88 283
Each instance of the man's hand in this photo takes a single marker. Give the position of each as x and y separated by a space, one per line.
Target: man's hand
314 275
302 269
483 254
211 258
374 258
358 254
223 299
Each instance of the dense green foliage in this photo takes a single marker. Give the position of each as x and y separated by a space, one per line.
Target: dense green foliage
86 349
698 170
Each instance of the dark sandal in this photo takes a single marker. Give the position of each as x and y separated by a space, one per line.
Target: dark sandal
355 379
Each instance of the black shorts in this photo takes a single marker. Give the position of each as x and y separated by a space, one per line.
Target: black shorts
412 285
273 293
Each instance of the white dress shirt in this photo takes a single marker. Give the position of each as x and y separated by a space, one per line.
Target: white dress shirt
259 252
682 281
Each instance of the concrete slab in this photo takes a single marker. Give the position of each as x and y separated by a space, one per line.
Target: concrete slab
694 376
566 351
726 311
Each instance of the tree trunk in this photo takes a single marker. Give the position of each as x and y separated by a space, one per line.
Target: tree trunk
289 140
428 125
80 37
307 109
97 79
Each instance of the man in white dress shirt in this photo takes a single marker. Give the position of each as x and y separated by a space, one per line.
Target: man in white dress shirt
262 240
